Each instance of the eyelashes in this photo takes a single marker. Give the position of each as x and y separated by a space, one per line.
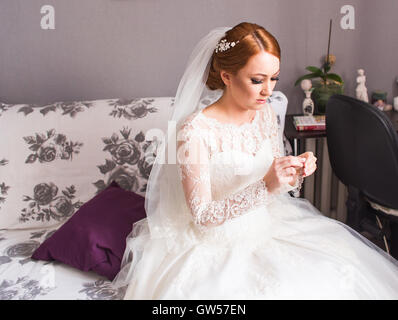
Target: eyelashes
255 81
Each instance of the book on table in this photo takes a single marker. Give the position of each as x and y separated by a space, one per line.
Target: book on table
308 123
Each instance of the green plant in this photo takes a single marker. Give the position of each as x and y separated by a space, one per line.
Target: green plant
321 73
330 83
323 89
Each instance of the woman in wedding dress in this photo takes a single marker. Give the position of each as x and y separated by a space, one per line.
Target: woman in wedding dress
220 221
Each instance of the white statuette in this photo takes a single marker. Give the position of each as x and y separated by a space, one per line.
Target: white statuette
396 103
308 103
361 91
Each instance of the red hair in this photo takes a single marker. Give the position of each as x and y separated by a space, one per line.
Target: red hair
252 39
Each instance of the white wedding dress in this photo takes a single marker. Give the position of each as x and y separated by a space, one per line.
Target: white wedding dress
244 243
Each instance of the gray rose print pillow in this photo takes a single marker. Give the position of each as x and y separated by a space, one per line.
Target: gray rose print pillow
54 158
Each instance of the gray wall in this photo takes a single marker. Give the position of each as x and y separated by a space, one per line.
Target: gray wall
138 48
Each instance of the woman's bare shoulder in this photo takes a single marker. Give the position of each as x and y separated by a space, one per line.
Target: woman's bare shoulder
212 111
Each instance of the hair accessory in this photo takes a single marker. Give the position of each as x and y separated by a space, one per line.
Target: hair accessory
223 45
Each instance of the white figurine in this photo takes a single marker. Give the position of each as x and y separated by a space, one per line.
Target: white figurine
361 91
395 101
308 104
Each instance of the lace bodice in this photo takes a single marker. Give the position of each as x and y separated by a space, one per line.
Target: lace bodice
222 165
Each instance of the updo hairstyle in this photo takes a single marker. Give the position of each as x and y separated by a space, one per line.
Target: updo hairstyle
252 40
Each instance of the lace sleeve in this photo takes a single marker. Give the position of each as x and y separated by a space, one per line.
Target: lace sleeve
193 164
276 141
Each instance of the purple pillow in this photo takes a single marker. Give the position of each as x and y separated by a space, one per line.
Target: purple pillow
94 238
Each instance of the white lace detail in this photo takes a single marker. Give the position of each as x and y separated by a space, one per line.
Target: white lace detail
217 211
210 157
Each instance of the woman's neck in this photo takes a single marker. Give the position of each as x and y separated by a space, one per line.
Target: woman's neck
232 111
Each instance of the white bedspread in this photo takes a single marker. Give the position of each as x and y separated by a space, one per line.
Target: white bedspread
22 278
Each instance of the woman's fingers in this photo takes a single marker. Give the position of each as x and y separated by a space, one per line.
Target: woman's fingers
289 171
308 170
307 154
310 160
288 166
291 161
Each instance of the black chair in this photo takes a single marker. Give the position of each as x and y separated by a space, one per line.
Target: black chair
363 152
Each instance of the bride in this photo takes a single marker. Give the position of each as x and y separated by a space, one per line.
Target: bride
220 221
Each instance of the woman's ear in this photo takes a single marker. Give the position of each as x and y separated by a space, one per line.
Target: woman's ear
225 77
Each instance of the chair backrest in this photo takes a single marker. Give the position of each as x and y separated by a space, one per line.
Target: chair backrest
363 148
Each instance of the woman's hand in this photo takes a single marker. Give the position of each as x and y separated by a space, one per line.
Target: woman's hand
281 171
309 164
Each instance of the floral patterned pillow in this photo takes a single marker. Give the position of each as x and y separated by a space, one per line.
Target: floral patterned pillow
54 158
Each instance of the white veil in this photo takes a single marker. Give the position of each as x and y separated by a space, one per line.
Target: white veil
165 203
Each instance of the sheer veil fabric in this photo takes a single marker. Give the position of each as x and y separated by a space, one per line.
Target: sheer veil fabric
164 200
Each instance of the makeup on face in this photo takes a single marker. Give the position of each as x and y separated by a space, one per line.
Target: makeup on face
257 79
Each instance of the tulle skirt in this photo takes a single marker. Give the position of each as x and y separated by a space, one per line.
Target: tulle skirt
285 250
